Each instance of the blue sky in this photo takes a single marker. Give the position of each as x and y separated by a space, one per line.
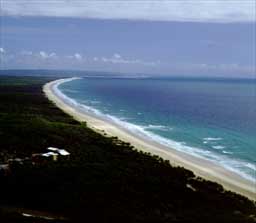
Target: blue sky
156 37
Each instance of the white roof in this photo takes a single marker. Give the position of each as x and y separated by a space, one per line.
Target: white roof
62 152
49 154
52 148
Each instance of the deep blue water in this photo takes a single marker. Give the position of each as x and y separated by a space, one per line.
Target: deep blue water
214 119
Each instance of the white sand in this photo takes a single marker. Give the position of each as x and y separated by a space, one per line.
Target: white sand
201 167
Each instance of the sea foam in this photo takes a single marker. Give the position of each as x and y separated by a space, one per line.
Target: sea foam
219 147
158 127
212 139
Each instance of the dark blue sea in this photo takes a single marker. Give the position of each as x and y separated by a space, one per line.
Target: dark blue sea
210 118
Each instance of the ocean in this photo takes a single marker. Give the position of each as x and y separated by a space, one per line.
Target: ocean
214 119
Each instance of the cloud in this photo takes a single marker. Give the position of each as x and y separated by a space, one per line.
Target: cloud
78 56
44 55
154 10
28 59
2 50
117 56
118 59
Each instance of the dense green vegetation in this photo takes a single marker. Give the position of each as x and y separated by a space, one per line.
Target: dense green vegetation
102 181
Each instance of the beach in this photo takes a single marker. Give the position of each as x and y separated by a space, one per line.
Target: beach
201 167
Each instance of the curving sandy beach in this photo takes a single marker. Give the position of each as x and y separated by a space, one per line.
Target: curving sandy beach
204 168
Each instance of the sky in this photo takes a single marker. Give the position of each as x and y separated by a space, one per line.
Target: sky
185 37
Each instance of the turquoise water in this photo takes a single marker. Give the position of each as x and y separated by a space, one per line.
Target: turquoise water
213 119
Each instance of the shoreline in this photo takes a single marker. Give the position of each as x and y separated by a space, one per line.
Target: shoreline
201 167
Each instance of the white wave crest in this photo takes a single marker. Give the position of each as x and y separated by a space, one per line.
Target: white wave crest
227 152
251 166
158 127
219 147
212 139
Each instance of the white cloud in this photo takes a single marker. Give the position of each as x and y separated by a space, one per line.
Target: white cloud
2 50
118 59
52 55
117 56
45 55
78 56
42 59
156 10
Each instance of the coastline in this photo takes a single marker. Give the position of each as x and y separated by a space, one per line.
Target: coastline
203 168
